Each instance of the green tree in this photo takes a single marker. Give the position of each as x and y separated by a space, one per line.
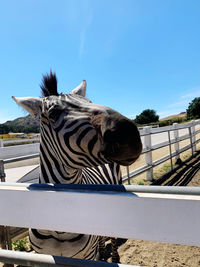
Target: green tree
147 116
193 110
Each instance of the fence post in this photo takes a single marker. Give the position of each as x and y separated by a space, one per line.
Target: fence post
2 228
2 173
176 144
128 174
5 237
170 150
1 143
148 155
193 135
2 237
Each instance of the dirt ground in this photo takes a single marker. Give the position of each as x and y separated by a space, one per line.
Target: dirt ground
154 254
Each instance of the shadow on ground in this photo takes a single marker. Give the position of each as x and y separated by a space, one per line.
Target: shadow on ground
183 174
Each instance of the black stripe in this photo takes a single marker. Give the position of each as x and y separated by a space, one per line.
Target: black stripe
76 238
49 165
85 157
45 237
84 247
33 244
44 174
81 136
91 145
61 126
106 172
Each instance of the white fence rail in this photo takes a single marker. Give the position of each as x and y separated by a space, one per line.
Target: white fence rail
169 136
15 141
37 260
148 213
18 151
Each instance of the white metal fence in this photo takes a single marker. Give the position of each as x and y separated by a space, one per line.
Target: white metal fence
15 141
169 136
147 213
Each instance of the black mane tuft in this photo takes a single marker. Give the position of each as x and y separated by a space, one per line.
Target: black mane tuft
49 85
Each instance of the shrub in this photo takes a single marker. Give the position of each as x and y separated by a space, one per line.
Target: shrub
21 245
147 116
193 111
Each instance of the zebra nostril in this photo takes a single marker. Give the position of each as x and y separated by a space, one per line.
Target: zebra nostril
109 136
114 148
110 149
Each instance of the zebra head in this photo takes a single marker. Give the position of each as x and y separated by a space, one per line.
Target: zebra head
80 133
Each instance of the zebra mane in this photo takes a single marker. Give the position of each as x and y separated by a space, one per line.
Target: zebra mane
49 85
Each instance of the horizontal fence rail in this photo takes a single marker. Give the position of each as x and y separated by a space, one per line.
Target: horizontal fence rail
146 215
21 140
30 259
18 151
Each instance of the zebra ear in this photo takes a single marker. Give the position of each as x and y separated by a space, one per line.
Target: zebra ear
80 90
31 104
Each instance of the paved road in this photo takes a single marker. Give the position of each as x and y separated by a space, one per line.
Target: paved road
15 174
16 170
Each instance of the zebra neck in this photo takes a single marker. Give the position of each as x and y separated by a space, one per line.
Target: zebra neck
59 174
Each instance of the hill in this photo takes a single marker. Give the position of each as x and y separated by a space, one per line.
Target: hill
27 124
180 115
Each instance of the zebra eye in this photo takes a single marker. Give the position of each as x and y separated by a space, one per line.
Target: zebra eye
54 114
96 112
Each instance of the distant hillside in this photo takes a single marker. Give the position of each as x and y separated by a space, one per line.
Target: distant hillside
26 124
180 115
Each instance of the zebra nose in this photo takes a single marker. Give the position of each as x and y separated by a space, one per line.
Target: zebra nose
122 146
124 154
110 149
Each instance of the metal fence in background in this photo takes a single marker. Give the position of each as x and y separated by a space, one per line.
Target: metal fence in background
151 143
172 138
15 141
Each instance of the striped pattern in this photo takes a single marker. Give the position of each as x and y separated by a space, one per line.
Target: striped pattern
70 152
64 244
81 143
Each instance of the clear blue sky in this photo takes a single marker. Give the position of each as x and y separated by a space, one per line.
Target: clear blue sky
134 54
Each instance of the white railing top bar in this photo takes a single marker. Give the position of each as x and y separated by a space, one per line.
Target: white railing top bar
21 158
21 140
170 190
166 143
168 128
143 215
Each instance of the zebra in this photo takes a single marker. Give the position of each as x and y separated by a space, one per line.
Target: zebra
80 143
